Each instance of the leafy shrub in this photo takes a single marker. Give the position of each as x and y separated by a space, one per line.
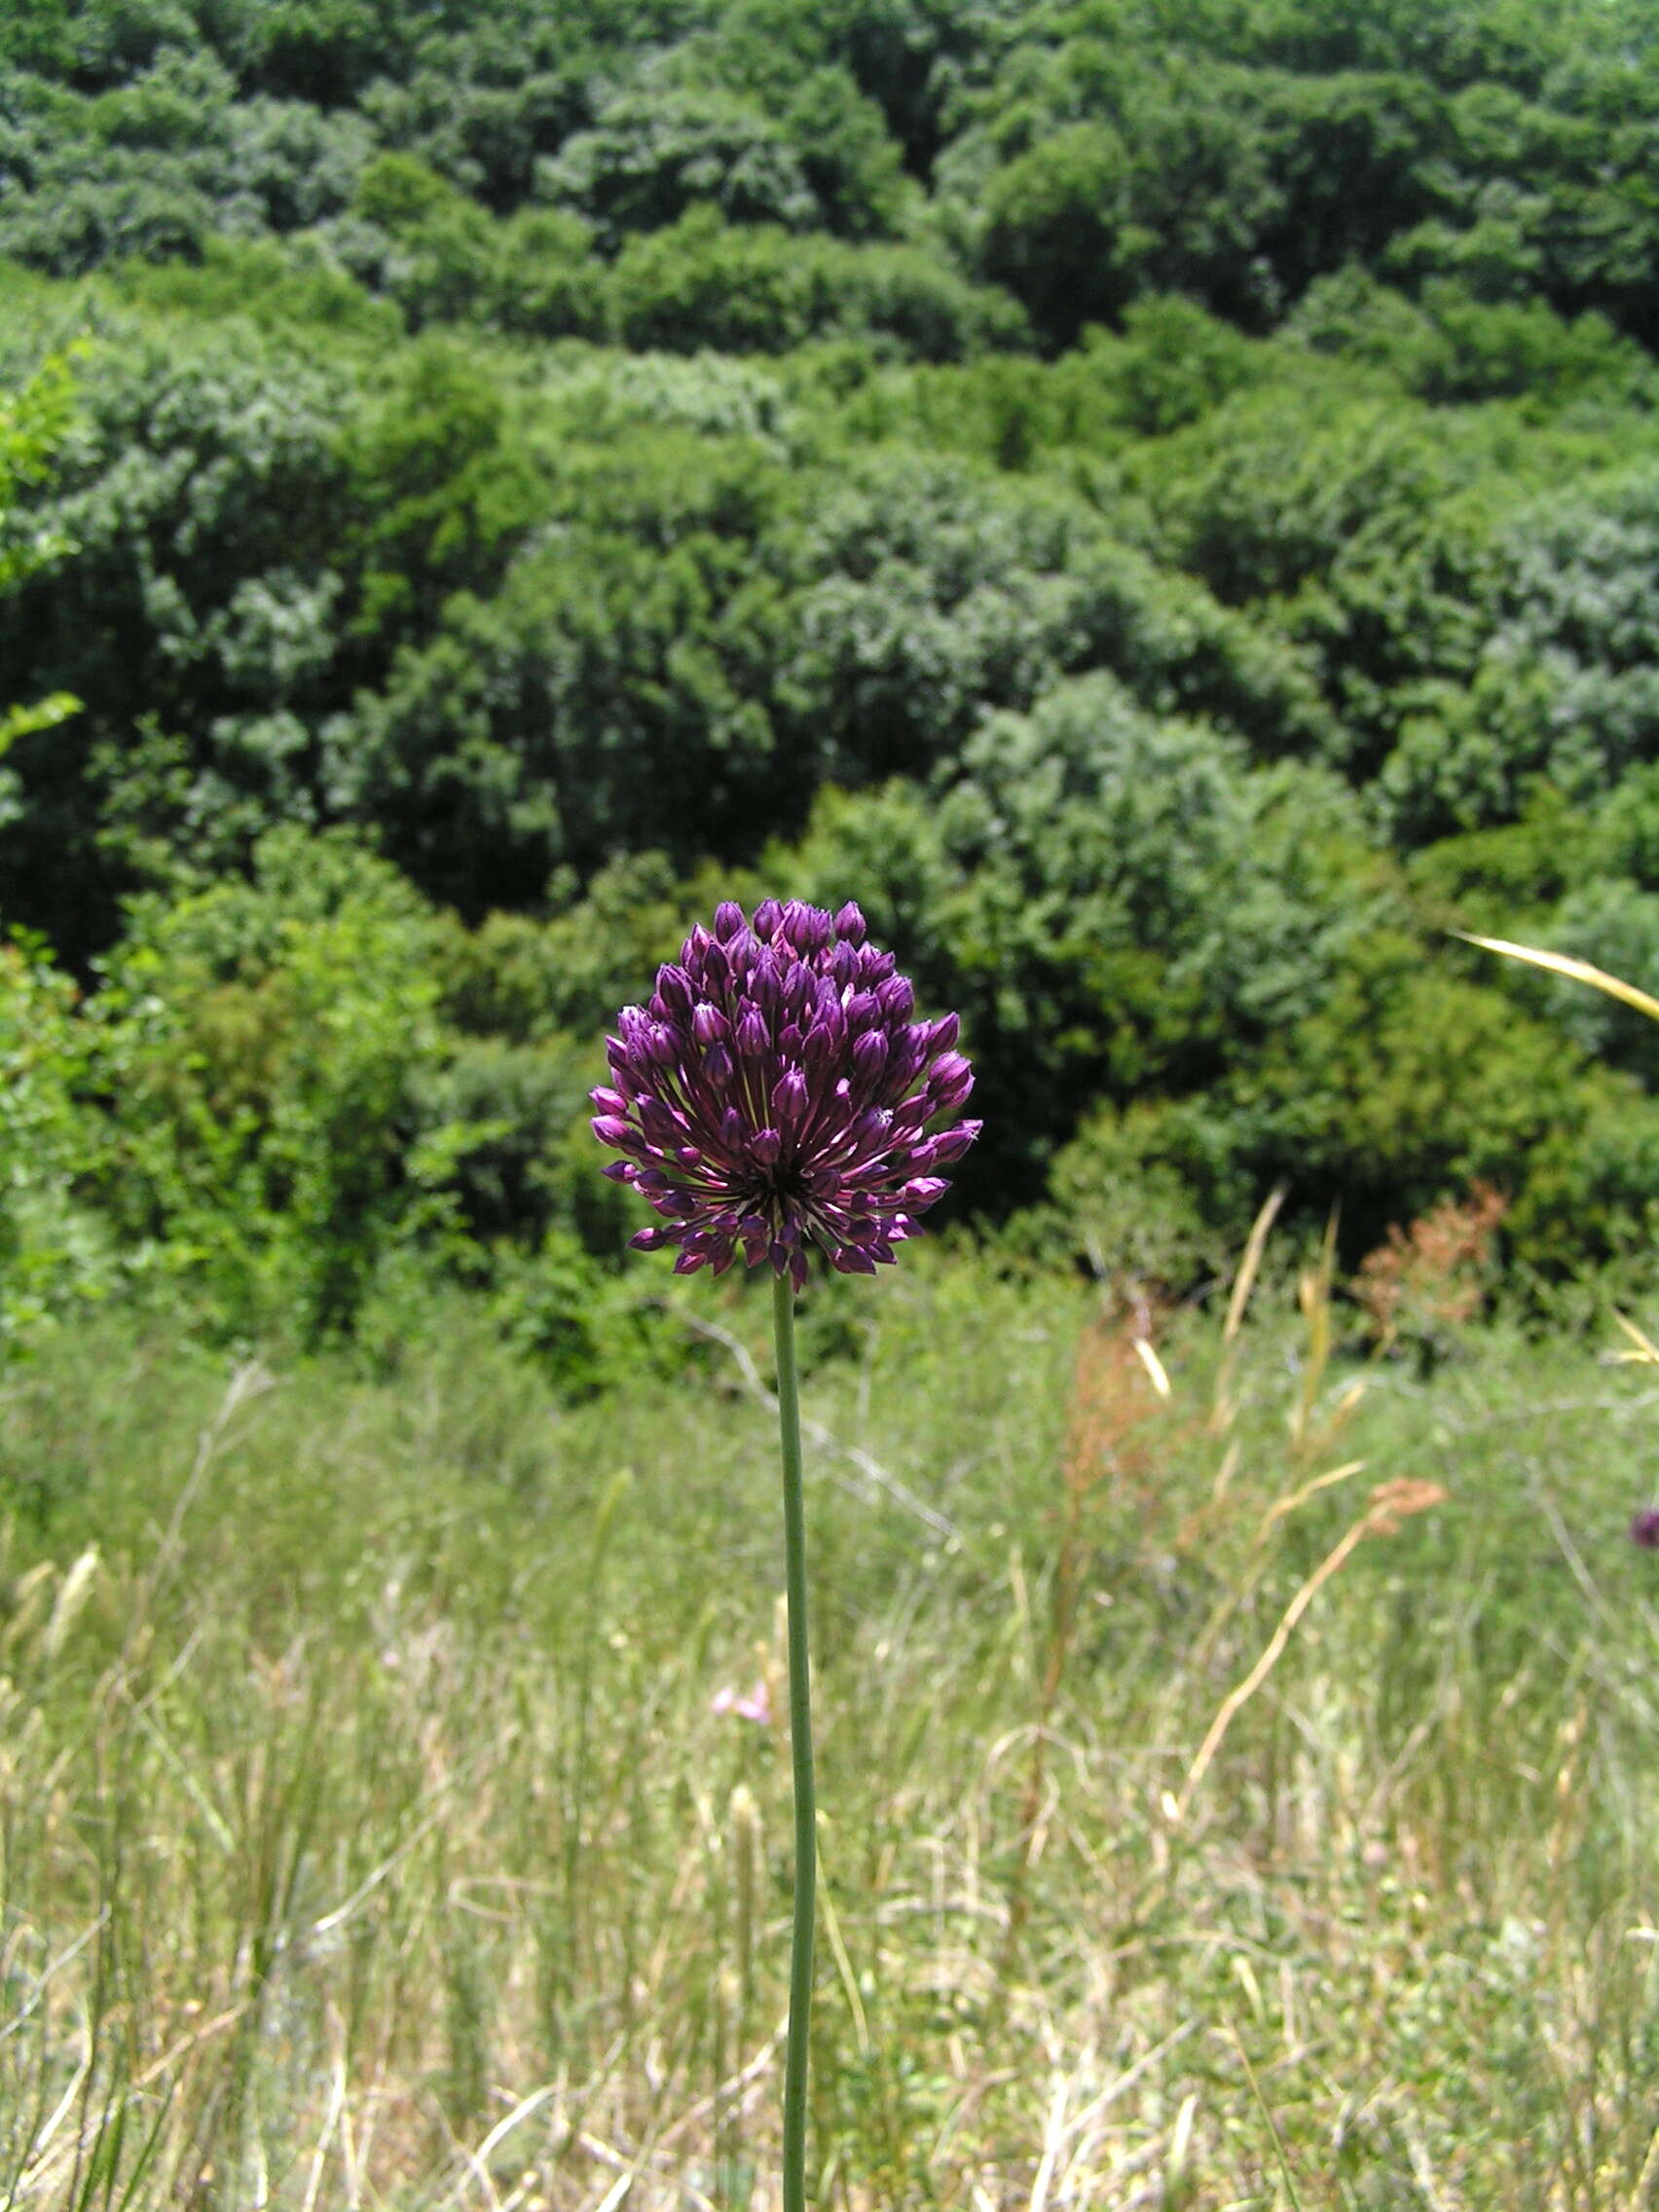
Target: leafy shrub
262 1053
53 1251
758 289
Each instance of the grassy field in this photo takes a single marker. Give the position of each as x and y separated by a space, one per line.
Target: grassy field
1243 1797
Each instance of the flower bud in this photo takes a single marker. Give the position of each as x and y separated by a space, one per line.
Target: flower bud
819 1048
620 1136
924 1191
673 989
870 1056
852 1260
950 1081
951 1144
788 1099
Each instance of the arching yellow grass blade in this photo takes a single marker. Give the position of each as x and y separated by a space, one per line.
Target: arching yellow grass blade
1577 970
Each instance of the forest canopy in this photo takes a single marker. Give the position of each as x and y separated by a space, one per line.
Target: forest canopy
1160 504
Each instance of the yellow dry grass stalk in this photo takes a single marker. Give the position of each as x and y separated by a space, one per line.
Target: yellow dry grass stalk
1224 1411
1391 1502
1575 970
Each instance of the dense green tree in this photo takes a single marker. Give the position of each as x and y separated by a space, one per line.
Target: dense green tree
613 694
197 496
264 1056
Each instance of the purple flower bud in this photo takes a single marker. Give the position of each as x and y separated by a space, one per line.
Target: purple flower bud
765 1147
709 1025
1645 1529
752 1230
950 1143
754 1038
850 925
718 1066
618 1135
863 1008
809 928
870 1056
659 1123
908 1051
897 998
869 1128
853 1260
819 1048
728 920
648 1239
788 1099
952 1081
673 989
767 915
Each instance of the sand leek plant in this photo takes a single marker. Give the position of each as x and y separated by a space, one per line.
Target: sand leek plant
775 1094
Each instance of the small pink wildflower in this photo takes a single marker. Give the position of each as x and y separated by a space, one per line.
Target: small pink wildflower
756 1706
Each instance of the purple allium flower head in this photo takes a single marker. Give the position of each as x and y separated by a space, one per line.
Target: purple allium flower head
776 1092
1645 1529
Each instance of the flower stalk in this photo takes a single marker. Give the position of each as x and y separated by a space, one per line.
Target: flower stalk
800 1750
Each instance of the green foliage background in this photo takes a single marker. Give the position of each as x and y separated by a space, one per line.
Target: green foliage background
1160 504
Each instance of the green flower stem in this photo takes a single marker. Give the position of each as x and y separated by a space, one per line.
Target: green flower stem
801 1744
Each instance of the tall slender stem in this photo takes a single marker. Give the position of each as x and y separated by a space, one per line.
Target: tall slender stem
801 1744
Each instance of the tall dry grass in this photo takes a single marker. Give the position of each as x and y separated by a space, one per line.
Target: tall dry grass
1239 1764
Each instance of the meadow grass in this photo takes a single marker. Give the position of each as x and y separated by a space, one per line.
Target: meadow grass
1214 1815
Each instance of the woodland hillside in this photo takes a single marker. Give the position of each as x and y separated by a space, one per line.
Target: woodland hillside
1161 502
